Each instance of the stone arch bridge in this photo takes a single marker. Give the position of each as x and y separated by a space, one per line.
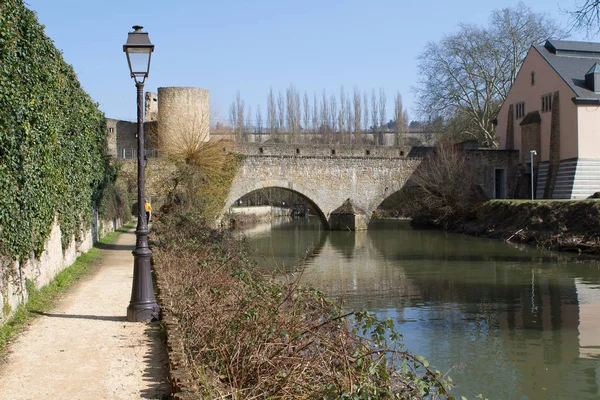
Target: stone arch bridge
345 185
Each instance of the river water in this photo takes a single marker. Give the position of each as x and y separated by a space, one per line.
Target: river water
511 322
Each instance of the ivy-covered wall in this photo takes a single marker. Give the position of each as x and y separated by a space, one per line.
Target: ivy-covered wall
52 139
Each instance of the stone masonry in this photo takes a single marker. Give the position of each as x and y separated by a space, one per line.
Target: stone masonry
554 161
327 177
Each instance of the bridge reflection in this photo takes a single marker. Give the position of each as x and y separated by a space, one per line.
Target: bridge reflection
522 323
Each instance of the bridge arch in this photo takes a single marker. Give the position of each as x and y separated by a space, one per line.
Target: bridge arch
330 178
303 192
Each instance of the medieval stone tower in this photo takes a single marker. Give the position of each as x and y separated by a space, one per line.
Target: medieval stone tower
184 111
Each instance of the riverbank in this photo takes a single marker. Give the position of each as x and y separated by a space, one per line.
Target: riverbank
572 226
235 333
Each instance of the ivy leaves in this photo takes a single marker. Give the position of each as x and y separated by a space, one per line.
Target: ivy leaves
52 138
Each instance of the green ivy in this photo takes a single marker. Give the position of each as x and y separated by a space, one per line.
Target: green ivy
52 139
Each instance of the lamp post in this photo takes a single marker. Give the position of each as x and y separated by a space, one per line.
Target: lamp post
142 306
531 154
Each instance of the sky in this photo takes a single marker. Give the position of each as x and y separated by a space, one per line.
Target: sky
226 46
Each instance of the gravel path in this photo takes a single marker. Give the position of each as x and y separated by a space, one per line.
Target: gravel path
85 348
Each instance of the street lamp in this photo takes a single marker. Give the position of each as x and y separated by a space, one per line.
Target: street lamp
142 306
531 154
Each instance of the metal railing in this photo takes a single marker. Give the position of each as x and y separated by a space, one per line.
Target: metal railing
132 153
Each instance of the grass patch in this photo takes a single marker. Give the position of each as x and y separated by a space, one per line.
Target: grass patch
44 299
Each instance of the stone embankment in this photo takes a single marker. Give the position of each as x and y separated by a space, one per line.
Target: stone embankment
572 226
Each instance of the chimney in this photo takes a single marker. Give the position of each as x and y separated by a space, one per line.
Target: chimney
592 78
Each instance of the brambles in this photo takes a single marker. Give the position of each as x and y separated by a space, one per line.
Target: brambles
445 192
247 336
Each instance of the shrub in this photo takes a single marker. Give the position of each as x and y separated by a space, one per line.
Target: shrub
248 337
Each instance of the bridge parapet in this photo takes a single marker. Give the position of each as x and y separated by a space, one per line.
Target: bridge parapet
337 151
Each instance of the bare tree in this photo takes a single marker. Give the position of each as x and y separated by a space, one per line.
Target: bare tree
233 116
306 112
293 113
240 127
401 121
324 113
471 71
281 114
382 115
341 116
271 113
333 113
259 124
586 16
315 117
357 112
349 119
446 186
248 126
365 106
374 117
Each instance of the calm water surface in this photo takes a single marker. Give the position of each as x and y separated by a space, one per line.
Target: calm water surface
512 321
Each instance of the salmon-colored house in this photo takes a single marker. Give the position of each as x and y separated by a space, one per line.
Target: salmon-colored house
553 108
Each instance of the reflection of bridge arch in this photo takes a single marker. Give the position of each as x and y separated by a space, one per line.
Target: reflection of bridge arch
326 177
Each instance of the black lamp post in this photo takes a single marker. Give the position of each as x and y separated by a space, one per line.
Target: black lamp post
142 306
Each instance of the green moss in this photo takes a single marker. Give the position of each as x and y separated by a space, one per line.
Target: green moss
6 308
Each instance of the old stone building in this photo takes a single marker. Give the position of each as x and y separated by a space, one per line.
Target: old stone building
173 111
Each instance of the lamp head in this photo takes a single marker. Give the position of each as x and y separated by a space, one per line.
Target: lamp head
139 51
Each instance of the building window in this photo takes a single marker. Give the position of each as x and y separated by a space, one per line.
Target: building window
546 103
260 150
519 110
532 78
368 152
110 130
297 151
333 152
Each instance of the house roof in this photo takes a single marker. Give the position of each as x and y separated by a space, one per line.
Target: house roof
572 61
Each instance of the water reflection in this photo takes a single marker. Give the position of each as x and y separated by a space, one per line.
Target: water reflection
515 322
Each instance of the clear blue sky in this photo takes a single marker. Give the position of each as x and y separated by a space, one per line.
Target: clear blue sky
228 45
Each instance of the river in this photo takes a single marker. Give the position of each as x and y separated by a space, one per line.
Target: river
509 321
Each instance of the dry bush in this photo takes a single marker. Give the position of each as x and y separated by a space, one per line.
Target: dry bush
247 337
203 168
446 191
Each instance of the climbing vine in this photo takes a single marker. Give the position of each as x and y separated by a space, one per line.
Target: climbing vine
52 139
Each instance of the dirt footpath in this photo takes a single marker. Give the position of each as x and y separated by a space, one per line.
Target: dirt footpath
85 348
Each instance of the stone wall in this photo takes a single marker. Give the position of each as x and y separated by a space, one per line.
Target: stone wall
324 177
554 159
151 107
41 270
183 111
486 161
